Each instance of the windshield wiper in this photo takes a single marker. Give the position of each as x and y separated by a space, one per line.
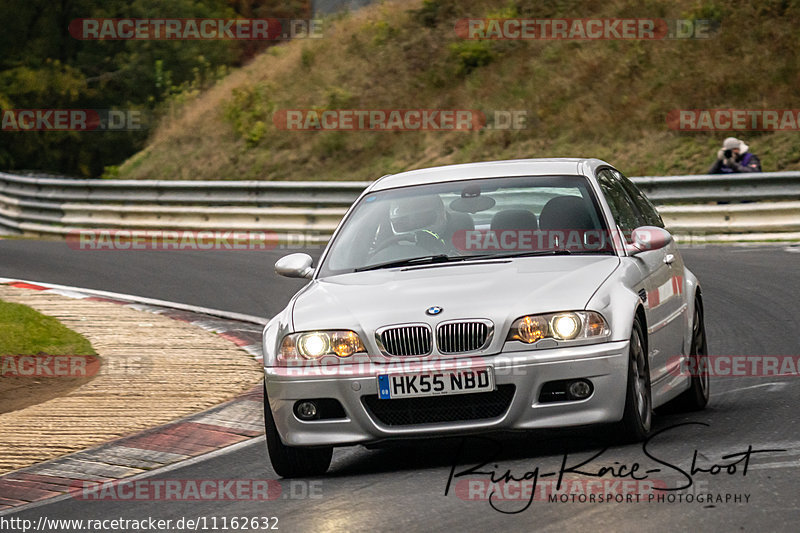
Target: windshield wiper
444 258
422 260
529 253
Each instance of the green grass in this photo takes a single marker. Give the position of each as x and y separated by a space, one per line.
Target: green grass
24 331
607 99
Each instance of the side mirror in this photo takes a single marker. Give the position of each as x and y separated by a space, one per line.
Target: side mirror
295 266
646 238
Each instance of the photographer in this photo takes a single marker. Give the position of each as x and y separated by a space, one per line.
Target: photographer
734 157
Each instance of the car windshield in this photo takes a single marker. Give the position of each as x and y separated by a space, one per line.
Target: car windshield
468 221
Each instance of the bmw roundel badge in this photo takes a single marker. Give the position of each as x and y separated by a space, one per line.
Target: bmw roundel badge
433 311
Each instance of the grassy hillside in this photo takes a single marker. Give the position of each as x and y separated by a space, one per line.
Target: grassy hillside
607 99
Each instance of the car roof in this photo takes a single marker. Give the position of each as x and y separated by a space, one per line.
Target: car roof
491 169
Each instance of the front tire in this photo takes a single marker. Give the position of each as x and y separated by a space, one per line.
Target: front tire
696 397
292 461
637 418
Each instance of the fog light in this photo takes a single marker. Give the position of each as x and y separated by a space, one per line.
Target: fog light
306 410
579 389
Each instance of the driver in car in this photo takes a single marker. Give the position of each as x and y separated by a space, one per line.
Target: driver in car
425 217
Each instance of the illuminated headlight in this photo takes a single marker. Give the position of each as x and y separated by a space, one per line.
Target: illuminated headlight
530 329
317 344
559 326
313 345
566 326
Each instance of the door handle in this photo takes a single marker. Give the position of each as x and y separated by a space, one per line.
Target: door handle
669 259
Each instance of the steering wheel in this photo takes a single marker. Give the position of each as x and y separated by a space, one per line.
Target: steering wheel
431 242
393 240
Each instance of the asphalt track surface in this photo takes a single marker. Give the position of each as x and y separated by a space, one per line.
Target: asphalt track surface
752 300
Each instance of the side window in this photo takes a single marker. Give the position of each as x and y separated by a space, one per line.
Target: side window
646 208
622 207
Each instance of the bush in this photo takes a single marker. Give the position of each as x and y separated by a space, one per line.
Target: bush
470 55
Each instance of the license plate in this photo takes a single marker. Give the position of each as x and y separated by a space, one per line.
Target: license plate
435 384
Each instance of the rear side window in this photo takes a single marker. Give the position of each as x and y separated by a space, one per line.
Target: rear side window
622 207
645 207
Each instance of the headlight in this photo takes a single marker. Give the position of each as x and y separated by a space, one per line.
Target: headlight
313 345
566 326
316 344
530 329
559 326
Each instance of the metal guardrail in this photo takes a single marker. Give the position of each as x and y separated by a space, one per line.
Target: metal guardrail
46 205
755 187
183 192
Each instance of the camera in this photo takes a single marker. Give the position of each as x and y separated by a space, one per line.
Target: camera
728 154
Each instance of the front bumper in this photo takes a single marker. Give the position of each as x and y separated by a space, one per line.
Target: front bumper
605 365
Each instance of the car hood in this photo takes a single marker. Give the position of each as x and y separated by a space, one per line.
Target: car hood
500 290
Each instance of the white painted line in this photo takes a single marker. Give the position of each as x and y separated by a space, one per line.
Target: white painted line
70 294
769 466
773 387
149 301
753 247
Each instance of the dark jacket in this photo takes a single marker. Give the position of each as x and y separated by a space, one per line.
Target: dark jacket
746 162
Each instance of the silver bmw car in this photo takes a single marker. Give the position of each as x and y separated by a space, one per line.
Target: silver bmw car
498 296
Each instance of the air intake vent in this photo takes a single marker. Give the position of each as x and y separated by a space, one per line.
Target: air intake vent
462 337
406 340
440 409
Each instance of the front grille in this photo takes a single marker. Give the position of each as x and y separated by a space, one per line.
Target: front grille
460 337
406 340
436 409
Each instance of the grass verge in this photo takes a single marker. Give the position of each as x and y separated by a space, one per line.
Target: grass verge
24 331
